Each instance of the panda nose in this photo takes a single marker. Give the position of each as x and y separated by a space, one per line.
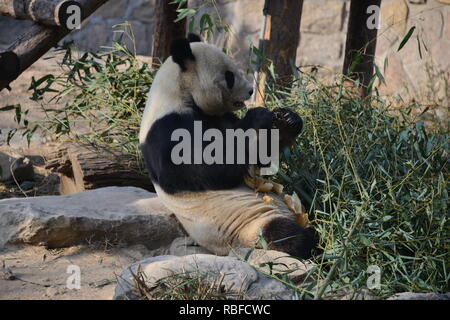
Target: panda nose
250 92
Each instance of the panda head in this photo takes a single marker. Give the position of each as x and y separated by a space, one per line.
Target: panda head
209 77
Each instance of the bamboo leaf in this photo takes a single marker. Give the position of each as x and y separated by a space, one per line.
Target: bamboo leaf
406 38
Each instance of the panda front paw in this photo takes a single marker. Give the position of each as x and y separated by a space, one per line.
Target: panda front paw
289 123
259 118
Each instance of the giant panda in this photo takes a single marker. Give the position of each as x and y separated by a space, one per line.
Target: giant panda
199 82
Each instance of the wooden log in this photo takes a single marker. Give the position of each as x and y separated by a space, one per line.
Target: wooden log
83 167
166 30
34 43
48 12
280 42
360 40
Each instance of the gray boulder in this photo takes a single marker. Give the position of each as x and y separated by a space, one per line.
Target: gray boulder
237 278
184 246
274 262
125 215
420 296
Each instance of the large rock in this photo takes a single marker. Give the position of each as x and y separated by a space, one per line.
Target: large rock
274 262
116 214
420 296
316 19
395 76
184 246
446 31
143 11
394 14
434 21
238 276
311 50
113 9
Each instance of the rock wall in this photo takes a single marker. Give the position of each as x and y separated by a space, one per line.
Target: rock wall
422 73
409 73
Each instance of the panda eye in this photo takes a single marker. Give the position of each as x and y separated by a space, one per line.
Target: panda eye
229 77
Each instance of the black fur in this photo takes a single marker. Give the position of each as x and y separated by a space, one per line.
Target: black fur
200 177
229 77
10 66
197 177
181 52
285 235
192 37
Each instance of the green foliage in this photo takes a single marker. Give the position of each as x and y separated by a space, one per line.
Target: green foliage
207 24
376 184
20 117
406 38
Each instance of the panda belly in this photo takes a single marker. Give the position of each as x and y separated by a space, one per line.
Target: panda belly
219 220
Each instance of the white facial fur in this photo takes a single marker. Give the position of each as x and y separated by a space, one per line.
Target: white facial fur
203 82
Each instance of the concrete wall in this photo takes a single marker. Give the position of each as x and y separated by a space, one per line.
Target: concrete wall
323 29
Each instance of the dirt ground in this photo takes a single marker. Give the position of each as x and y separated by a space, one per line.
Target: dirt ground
32 272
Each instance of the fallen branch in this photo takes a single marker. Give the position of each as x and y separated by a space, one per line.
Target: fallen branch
83 167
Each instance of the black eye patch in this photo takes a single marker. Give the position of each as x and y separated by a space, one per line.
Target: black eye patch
229 77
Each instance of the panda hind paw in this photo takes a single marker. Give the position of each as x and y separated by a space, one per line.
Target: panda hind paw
286 235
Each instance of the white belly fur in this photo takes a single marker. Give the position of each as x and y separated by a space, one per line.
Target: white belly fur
219 220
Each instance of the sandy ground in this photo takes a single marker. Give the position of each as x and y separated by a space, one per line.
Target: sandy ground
37 273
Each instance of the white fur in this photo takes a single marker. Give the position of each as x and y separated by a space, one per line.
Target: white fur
219 220
203 81
164 97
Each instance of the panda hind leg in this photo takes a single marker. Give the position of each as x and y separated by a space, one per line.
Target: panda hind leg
285 235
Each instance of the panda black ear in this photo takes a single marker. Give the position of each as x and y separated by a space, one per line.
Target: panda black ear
180 51
192 37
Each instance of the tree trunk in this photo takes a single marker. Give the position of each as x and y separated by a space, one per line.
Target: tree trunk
34 43
48 12
280 42
166 30
83 167
360 40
